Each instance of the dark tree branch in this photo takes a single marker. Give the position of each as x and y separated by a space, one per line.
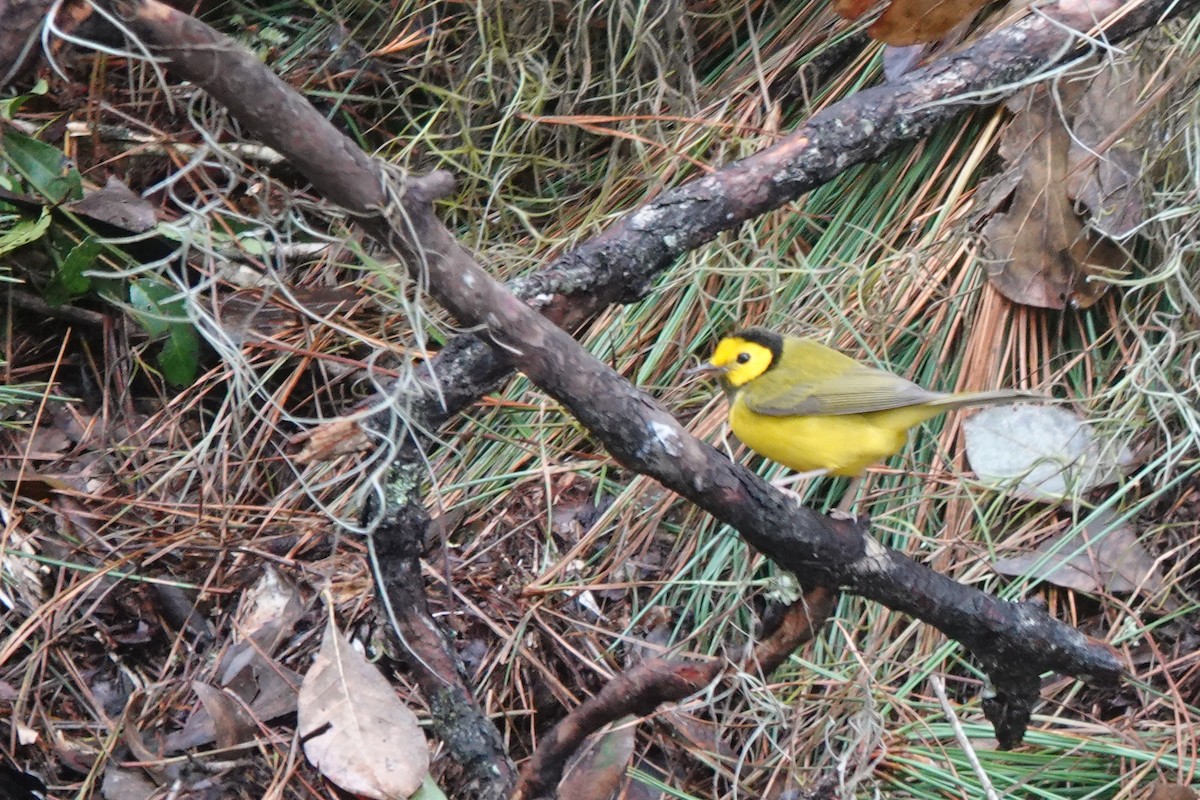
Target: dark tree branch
478 748
1014 641
796 625
635 692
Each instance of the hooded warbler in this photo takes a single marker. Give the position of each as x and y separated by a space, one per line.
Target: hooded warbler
816 410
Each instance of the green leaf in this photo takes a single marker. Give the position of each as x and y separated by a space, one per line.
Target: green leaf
429 790
69 281
180 355
153 309
10 106
43 166
25 231
159 309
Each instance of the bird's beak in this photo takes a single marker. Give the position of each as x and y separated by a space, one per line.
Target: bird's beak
707 370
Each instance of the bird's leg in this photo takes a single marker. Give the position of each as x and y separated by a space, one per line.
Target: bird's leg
792 480
784 484
848 497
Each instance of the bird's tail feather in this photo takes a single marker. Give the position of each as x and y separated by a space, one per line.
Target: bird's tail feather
991 398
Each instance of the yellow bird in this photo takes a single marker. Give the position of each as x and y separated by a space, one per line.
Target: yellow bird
816 410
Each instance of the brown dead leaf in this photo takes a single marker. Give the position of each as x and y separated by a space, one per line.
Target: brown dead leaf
898 61
33 484
1165 790
354 727
270 689
598 768
1040 253
255 314
126 784
118 205
851 9
331 440
1090 562
704 735
48 442
267 614
906 22
275 689
571 519
1106 156
231 724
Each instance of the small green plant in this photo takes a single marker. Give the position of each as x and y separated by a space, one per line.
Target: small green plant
40 172
160 310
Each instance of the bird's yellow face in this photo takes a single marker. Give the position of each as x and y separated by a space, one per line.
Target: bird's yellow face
740 360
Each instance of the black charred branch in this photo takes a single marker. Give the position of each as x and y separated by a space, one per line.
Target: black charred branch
478 748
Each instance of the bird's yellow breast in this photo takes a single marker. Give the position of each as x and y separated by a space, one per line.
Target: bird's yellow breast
843 444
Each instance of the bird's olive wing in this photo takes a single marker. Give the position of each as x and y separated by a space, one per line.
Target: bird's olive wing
855 391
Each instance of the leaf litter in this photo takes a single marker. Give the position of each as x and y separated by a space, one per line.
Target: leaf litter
1039 250
1099 557
355 729
909 22
1041 452
210 518
254 687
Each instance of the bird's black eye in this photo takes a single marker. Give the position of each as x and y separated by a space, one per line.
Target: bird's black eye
742 358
